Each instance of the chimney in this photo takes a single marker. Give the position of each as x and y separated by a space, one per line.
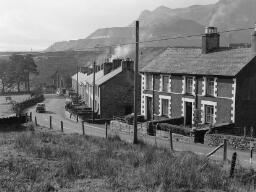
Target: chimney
254 41
84 70
107 67
210 40
116 63
128 64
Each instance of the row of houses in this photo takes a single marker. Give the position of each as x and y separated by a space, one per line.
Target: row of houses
207 85
113 88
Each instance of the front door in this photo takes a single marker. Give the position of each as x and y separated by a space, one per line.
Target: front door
188 115
149 108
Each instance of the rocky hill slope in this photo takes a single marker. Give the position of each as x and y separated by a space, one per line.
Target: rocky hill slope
163 21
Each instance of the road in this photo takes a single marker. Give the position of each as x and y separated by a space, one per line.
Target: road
55 108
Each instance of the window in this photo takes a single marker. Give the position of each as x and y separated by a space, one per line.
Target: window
209 113
165 104
189 85
165 83
210 86
156 79
149 83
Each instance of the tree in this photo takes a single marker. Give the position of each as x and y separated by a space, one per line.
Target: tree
5 76
16 67
21 66
29 67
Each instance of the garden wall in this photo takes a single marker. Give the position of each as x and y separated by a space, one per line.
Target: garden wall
117 127
19 107
234 142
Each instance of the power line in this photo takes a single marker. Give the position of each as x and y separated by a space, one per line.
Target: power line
165 39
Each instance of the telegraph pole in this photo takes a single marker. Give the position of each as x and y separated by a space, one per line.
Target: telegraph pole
135 139
77 82
93 92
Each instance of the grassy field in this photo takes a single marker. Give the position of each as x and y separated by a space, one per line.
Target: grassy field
41 161
5 108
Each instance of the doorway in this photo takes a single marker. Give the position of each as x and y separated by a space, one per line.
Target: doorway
149 108
188 114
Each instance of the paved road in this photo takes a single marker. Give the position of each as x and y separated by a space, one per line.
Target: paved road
55 108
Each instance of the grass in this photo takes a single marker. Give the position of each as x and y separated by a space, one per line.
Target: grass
41 161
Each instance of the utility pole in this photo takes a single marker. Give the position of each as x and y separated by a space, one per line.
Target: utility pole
153 96
93 92
77 82
135 139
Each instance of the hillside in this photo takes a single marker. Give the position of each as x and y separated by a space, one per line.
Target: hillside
66 62
43 160
163 21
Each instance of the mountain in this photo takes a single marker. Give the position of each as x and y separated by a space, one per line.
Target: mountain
165 22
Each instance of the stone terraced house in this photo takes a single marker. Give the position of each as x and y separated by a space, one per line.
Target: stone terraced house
114 88
211 85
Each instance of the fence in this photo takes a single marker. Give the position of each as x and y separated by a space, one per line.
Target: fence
121 128
53 122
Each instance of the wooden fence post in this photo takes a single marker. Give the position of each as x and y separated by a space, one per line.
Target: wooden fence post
50 122
106 126
83 127
245 132
155 133
225 147
36 121
61 126
251 131
233 164
171 142
30 116
251 151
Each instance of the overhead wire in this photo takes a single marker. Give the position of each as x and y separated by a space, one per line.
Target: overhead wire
163 39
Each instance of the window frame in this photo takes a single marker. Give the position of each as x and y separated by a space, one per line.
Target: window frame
167 107
163 83
149 86
210 88
209 117
190 86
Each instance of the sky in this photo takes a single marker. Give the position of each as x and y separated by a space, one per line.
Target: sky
36 24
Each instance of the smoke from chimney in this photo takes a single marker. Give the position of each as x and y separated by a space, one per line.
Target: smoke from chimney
225 7
121 52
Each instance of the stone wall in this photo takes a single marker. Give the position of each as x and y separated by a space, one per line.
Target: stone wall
117 127
234 142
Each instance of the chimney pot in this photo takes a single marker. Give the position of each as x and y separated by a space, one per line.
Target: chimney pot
107 67
210 40
128 64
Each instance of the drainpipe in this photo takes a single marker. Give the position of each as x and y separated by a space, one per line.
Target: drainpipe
196 92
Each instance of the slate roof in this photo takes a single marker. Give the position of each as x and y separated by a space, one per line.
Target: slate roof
81 77
98 75
100 78
191 61
108 76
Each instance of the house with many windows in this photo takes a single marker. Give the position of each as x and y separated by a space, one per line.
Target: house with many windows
113 88
208 85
